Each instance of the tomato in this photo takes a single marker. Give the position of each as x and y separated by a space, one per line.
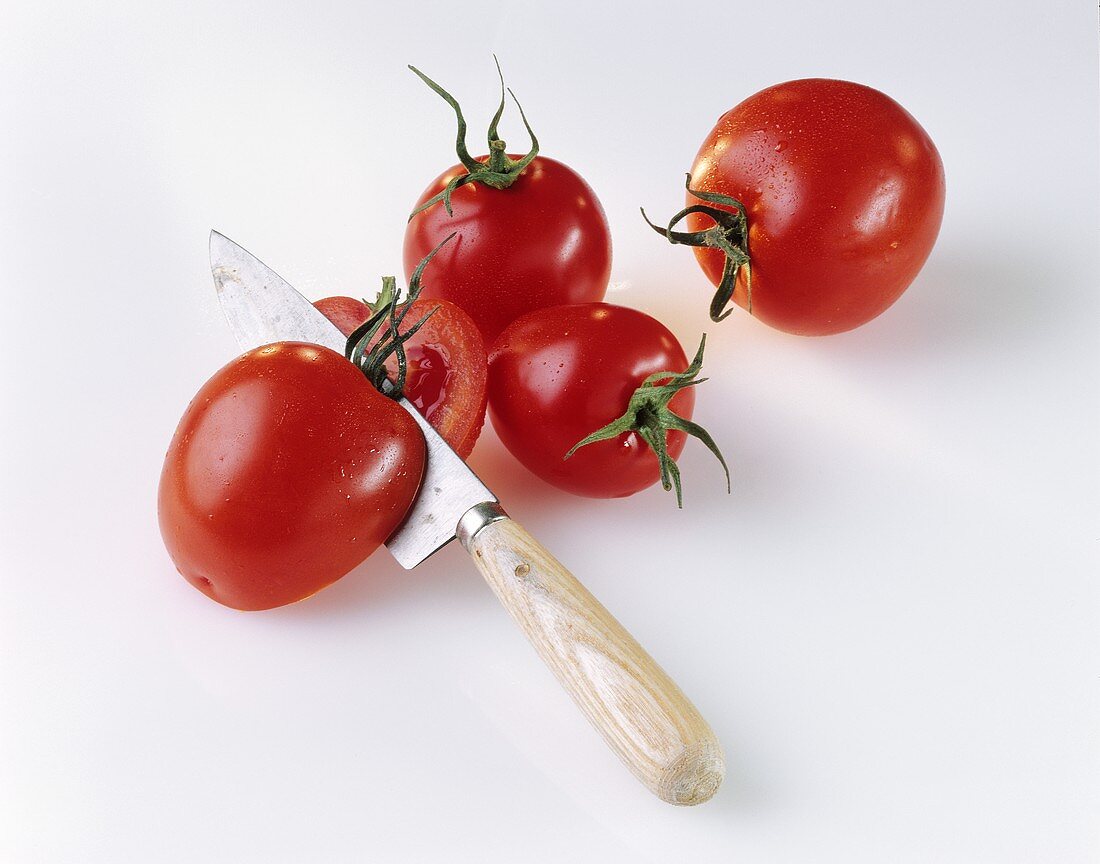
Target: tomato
843 193
559 374
531 232
346 313
541 242
446 363
287 469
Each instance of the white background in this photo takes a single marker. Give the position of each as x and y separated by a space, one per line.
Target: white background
891 623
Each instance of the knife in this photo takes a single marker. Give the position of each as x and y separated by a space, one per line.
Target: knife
640 712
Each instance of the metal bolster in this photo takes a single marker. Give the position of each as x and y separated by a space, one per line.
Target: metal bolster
476 518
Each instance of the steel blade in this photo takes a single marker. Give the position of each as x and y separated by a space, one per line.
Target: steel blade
261 308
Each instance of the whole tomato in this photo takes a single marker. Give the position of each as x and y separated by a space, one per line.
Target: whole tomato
530 232
814 203
287 469
594 398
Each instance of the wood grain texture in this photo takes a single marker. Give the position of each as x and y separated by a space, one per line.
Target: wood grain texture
640 712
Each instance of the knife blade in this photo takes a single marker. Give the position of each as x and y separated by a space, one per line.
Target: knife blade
261 308
638 709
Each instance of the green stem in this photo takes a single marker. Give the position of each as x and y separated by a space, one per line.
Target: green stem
729 235
498 171
648 414
387 315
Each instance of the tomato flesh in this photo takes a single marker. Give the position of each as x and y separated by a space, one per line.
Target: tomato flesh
543 241
560 373
287 469
429 374
446 368
844 193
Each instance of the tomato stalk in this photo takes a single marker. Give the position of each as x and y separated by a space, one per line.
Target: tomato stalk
389 310
498 171
729 234
648 414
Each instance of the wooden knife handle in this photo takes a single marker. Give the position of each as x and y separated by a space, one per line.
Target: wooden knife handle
640 712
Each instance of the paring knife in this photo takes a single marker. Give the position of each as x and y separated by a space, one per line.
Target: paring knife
640 712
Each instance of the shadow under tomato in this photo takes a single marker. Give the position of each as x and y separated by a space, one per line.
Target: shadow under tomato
512 483
380 586
966 302
965 299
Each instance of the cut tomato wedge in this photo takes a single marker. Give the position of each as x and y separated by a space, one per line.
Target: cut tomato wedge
446 367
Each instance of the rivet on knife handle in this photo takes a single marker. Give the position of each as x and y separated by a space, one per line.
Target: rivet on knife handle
640 712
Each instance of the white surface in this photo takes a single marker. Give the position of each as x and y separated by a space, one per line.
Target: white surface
891 623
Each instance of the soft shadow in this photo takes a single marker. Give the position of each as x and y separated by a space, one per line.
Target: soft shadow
511 481
965 299
380 587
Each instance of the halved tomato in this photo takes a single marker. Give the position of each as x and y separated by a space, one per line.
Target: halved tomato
447 371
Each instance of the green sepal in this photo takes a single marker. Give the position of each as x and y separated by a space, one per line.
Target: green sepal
499 171
729 234
388 308
648 414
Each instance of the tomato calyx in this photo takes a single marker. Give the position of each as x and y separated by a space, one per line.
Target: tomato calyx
388 308
729 234
499 170
648 414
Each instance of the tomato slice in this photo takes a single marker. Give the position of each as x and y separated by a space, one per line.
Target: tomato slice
447 371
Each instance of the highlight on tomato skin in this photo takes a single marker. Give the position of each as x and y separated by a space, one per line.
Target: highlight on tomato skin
447 369
274 487
543 241
843 192
559 374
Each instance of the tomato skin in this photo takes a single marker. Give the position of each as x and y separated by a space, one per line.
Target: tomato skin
543 241
286 470
346 313
447 370
844 193
560 373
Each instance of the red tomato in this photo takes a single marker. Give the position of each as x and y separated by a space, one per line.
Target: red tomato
558 374
346 313
287 469
446 364
843 191
543 241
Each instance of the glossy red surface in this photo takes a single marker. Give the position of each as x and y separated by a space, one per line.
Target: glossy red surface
287 469
429 375
543 241
844 193
558 374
